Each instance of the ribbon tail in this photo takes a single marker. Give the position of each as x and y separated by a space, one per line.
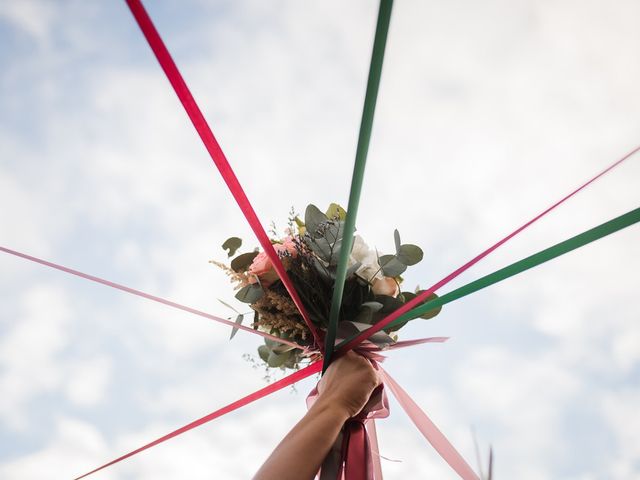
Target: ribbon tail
358 453
429 430
370 425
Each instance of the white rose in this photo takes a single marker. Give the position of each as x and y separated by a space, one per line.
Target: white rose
367 258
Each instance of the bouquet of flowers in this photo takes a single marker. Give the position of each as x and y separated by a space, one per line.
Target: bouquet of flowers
309 250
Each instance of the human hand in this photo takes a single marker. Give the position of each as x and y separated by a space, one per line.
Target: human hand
348 383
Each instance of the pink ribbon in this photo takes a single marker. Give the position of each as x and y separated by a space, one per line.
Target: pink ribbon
148 296
429 430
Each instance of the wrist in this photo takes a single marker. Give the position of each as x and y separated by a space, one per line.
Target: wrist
331 407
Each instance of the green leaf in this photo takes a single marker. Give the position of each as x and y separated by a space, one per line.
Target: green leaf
242 262
373 306
364 316
389 303
409 254
228 306
250 293
321 248
336 211
430 313
239 319
275 360
396 238
313 218
395 327
232 244
264 352
391 266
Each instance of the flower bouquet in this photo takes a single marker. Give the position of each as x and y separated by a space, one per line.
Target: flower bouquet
309 251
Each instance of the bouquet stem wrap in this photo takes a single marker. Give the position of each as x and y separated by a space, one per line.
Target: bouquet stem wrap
352 455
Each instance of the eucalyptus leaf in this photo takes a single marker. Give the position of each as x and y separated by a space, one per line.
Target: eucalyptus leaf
396 238
389 303
277 360
264 352
391 266
347 329
228 306
321 248
239 320
409 254
250 293
232 244
242 262
395 327
334 231
365 315
431 313
271 344
336 211
313 218
373 306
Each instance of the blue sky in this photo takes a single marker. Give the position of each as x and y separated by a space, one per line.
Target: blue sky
487 114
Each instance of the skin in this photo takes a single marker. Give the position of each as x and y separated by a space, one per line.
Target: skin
344 390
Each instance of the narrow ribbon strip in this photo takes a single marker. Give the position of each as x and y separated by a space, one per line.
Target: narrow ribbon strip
424 295
263 392
148 296
373 84
429 430
217 155
531 261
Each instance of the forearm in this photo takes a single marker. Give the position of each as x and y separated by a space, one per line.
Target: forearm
301 452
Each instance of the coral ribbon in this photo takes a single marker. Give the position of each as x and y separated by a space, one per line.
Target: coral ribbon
217 155
148 296
429 430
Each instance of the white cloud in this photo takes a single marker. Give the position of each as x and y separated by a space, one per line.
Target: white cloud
29 353
88 381
486 113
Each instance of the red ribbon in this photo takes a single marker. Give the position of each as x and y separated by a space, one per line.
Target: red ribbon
263 392
216 153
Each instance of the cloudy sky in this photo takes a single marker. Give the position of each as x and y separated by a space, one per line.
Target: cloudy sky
488 112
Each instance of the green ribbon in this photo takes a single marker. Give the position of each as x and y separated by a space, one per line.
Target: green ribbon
373 83
607 228
534 260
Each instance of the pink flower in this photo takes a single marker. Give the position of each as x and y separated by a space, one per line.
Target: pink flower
262 265
385 286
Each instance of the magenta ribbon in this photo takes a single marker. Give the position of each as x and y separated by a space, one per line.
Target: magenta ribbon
435 287
217 155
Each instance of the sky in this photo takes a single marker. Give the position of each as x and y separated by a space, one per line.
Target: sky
488 113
